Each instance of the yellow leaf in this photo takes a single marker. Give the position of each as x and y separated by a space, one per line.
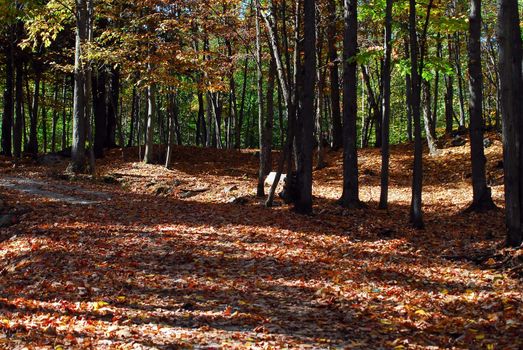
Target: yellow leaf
445 291
385 321
421 312
121 298
480 336
490 346
399 347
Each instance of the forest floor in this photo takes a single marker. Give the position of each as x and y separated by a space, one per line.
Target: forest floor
145 257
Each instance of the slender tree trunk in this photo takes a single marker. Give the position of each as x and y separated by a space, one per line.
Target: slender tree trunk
350 196
385 124
8 112
460 82
481 197
511 85
172 116
151 115
112 109
408 95
134 103
260 190
79 116
449 96
55 117
100 112
427 119
33 124
64 110
337 131
416 214
19 94
44 119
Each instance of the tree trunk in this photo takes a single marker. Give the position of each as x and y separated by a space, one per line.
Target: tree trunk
172 116
449 96
337 131
134 109
260 190
8 113
77 164
55 117
416 214
481 197
32 147
385 124
100 112
19 94
457 57
112 109
350 195
511 84
151 115
44 120
427 119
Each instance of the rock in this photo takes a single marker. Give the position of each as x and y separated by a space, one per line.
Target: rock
458 141
487 142
162 190
110 179
8 220
238 200
230 188
269 180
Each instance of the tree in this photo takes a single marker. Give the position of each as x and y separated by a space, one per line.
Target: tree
77 164
350 195
8 113
511 85
303 203
385 151
416 213
481 197
337 136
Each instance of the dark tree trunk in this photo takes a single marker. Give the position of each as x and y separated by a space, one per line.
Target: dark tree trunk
112 109
385 124
80 99
151 115
408 95
44 119
8 113
427 119
461 93
350 196
171 106
238 126
100 112
269 120
303 203
337 131
55 117
134 117
64 110
260 190
449 96
32 147
18 124
416 214
511 84
201 129
481 199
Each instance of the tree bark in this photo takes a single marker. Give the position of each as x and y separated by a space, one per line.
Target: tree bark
416 213
385 124
481 195
8 112
151 115
511 84
77 164
337 131
350 195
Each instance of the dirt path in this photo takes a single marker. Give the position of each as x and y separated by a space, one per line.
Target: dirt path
53 191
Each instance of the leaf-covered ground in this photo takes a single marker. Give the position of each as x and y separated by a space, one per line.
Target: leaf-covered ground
162 258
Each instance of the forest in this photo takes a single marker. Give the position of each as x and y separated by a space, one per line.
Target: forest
261 174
